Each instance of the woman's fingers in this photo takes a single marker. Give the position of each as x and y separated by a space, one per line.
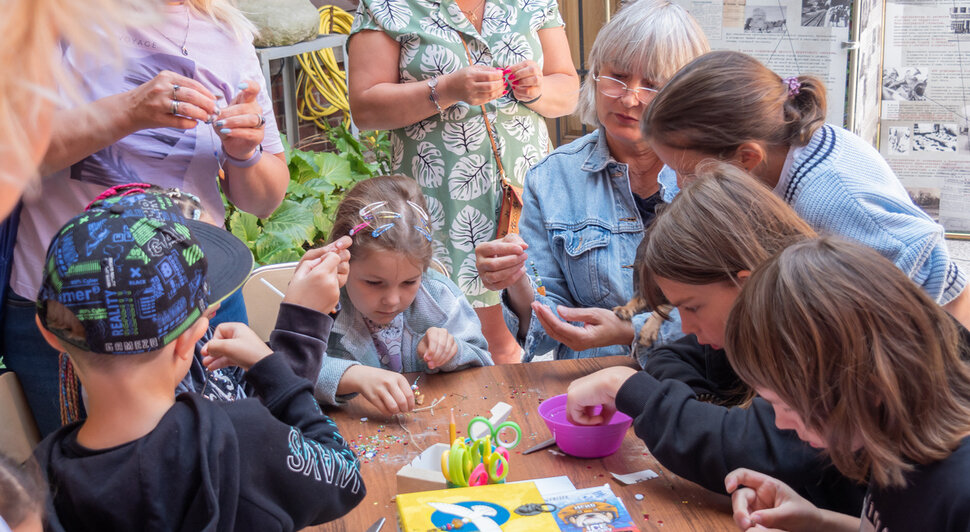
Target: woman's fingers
241 120
193 103
241 132
498 263
186 96
499 248
248 91
526 80
177 79
501 262
486 92
480 84
496 274
241 123
193 108
169 100
485 73
500 280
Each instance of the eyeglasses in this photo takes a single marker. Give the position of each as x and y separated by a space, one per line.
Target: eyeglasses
615 88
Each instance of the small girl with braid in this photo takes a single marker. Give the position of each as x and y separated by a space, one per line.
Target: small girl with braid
396 315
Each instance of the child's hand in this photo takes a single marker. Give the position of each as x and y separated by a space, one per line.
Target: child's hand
341 247
387 390
760 501
316 281
437 347
597 390
233 344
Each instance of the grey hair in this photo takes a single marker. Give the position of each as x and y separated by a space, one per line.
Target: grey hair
649 37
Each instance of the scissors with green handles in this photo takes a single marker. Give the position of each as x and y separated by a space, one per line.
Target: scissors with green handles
475 464
494 432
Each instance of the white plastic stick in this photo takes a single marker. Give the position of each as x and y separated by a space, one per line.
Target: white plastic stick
271 287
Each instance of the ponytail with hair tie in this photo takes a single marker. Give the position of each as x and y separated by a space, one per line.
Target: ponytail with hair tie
752 102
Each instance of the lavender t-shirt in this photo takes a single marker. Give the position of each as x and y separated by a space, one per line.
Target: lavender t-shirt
169 157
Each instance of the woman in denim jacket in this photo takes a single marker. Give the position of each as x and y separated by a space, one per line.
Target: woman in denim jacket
588 202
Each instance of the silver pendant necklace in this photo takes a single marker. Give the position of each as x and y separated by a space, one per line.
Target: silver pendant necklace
185 39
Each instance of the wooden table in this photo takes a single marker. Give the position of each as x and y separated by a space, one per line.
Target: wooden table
669 503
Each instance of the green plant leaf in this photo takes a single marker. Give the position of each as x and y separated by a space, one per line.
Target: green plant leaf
297 191
320 221
291 221
302 167
284 255
334 169
270 245
287 148
245 226
317 184
345 142
346 147
361 167
319 187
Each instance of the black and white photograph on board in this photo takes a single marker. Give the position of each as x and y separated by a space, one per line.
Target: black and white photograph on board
825 13
927 199
764 19
904 84
900 139
960 19
933 137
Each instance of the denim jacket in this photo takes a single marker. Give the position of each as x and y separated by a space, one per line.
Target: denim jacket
438 303
582 226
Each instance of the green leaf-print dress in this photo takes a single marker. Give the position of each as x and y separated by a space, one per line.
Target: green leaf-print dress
451 157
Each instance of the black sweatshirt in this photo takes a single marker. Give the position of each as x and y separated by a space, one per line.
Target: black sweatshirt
277 463
936 498
296 336
703 442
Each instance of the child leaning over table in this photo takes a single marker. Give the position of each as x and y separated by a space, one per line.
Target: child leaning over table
397 316
125 292
856 359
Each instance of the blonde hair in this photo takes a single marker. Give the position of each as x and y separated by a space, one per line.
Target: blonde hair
723 99
32 33
721 223
403 237
225 13
859 351
31 36
653 38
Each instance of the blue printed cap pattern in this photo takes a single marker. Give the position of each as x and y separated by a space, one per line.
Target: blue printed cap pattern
133 271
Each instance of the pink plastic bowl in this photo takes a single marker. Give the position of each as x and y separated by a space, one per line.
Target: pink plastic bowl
584 441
